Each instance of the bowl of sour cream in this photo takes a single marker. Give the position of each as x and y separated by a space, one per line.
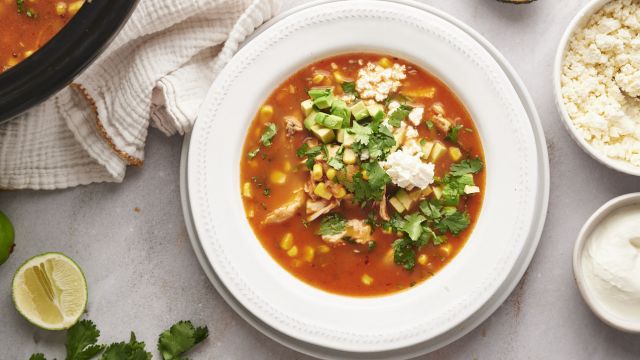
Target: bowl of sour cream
606 263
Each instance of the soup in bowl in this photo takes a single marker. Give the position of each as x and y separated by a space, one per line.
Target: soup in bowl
362 175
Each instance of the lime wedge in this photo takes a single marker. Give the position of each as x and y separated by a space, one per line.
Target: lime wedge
50 291
6 238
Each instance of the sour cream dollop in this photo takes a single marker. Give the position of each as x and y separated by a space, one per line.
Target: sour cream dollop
611 262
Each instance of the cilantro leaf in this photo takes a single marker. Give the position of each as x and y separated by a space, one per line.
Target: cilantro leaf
362 133
310 153
454 223
349 87
81 341
431 209
180 338
38 356
404 253
466 167
381 143
133 350
373 188
413 226
270 131
453 133
20 5
399 114
332 224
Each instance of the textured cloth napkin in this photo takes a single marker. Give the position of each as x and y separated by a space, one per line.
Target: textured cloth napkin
156 72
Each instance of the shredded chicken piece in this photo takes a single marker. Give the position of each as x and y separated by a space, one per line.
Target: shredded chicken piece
442 123
356 229
287 210
383 206
315 209
293 124
308 188
438 108
359 231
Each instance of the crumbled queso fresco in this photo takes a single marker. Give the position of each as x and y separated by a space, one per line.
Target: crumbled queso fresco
376 82
408 171
601 80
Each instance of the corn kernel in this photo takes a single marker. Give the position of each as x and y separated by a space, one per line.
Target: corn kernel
446 249
287 241
366 279
349 157
338 76
246 190
334 66
251 213
266 112
423 259
317 172
324 249
331 173
322 191
365 174
28 53
385 62
75 6
296 263
278 177
293 251
308 253
340 192
61 8
287 165
317 78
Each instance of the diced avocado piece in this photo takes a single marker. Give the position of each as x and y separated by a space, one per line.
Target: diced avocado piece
349 139
397 205
437 192
427 146
437 152
323 102
332 150
349 156
310 120
467 179
416 194
340 135
399 138
404 199
325 135
451 200
455 153
376 111
359 111
307 107
316 93
331 121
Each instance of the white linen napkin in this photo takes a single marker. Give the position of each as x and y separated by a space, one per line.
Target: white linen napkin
157 71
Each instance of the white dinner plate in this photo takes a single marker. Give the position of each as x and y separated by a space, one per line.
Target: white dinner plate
502 243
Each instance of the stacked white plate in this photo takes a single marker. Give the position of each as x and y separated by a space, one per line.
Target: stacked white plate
431 314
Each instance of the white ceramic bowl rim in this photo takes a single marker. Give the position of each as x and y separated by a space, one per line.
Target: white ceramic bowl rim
599 309
577 23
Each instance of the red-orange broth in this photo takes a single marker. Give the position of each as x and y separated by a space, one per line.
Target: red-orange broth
347 268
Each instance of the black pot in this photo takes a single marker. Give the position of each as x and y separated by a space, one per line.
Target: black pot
60 60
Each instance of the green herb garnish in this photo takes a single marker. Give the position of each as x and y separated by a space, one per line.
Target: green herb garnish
332 224
270 131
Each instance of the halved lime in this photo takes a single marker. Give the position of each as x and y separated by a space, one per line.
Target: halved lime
50 291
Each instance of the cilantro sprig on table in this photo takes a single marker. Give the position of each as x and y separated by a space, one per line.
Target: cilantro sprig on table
82 343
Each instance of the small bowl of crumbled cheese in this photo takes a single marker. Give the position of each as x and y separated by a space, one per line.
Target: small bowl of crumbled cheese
597 82
606 263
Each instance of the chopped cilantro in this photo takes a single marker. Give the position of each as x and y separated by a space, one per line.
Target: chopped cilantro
399 114
266 191
464 167
132 350
310 153
431 209
362 133
381 143
429 124
20 5
332 224
453 133
349 87
371 245
31 13
270 131
404 253
413 226
454 223
335 163
373 188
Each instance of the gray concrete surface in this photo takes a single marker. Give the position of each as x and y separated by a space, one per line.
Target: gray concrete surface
143 275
